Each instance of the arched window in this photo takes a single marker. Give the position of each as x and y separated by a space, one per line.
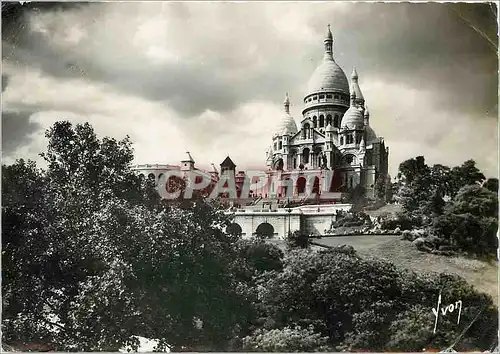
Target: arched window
336 121
301 185
341 140
328 119
305 155
294 162
321 121
307 132
280 144
151 176
315 121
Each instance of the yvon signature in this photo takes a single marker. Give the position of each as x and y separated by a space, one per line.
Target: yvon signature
444 310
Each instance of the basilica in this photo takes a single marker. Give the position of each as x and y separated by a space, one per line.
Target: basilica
334 132
334 137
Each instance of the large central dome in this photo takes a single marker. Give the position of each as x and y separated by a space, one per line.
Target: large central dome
328 76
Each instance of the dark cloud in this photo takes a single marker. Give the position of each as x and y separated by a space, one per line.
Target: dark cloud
427 46
16 128
444 50
430 46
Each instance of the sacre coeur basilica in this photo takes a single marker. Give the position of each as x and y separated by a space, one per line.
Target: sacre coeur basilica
332 150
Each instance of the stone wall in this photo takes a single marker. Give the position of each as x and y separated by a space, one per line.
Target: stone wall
314 219
317 224
249 221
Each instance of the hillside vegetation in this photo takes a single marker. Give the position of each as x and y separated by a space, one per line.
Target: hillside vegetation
483 275
93 260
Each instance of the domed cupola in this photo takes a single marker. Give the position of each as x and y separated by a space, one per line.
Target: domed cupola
353 119
369 132
356 89
328 76
287 125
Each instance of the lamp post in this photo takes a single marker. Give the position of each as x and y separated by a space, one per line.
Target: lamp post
289 210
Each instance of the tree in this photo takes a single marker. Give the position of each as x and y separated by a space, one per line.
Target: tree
364 304
94 257
422 189
464 175
412 168
297 239
470 221
491 184
261 256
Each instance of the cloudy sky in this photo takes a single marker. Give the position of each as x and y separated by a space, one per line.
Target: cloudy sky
210 78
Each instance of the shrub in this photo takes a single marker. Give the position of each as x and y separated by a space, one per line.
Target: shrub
403 221
286 339
470 233
297 239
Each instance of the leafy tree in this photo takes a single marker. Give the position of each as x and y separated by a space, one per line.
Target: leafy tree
297 239
412 168
491 184
363 304
107 260
464 175
261 256
422 189
470 221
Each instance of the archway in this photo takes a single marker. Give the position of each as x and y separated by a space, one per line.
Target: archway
265 230
301 185
234 229
305 155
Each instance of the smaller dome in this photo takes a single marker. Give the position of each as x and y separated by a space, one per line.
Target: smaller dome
287 125
370 134
353 118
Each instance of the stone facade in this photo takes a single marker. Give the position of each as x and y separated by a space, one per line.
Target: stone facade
333 149
334 132
276 223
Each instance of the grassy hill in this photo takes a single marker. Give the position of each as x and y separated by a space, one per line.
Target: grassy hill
482 275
